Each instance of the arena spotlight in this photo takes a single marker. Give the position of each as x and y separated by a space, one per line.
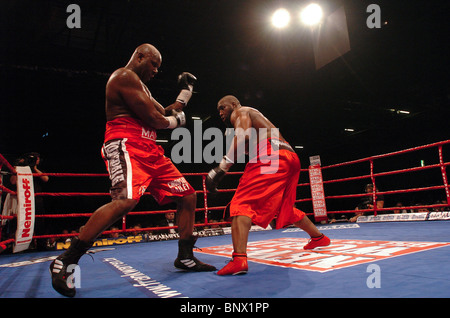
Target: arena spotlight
281 18
311 14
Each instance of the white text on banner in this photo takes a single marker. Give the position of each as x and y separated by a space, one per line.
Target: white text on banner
317 193
25 215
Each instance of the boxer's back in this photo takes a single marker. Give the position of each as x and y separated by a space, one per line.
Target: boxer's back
259 121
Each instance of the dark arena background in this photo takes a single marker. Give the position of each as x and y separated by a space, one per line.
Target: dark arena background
365 91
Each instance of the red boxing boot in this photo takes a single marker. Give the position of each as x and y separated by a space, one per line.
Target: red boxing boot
316 242
238 265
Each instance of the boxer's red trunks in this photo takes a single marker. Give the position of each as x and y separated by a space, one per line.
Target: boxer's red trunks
136 163
263 196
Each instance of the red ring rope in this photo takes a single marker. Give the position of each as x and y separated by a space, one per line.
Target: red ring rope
371 175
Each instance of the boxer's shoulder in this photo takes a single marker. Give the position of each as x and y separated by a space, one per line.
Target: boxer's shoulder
122 76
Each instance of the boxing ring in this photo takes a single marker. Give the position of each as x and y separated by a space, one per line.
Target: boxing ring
382 255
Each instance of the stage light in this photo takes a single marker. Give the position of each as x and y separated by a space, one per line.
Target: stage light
281 18
311 14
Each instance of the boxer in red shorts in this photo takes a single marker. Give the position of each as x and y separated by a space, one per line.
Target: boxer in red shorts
267 189
135 163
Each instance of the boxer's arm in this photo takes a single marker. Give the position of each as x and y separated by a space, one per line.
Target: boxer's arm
186 82
158 106
241 122
139 101
177 106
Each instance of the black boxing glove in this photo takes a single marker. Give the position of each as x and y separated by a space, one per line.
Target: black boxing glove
177 119
217 174
213 179
186 81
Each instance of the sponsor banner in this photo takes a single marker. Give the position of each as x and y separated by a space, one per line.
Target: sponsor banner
253 228
326 227
143 238
106 242
435 216
317 193
289 252
419 216
25 213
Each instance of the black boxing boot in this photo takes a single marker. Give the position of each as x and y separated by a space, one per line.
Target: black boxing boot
186 259
61 270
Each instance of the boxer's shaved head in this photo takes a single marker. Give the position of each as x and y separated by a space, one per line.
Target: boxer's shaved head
147 50
229 99
145 61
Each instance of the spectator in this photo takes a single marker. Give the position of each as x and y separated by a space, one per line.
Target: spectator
33 160
399 209
169 220
367 202
342 218
420 209
115 234
441 209
212 224
137 230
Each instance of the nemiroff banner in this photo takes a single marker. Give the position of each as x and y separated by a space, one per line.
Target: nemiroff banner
25 209
317 191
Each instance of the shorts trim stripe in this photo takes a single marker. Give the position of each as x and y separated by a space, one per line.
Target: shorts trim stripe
129 174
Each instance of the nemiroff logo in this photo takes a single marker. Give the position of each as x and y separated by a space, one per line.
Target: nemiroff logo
289 252
25 211
28 208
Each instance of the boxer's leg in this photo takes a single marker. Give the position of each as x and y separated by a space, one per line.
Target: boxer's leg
186 214
317 238
104 217
306 225
185 219
240 227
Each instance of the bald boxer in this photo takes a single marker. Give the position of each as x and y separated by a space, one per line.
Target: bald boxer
136 164
267 189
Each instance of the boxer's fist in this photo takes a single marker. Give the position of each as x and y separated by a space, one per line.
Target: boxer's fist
213 179
177 119
186 81
180 116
